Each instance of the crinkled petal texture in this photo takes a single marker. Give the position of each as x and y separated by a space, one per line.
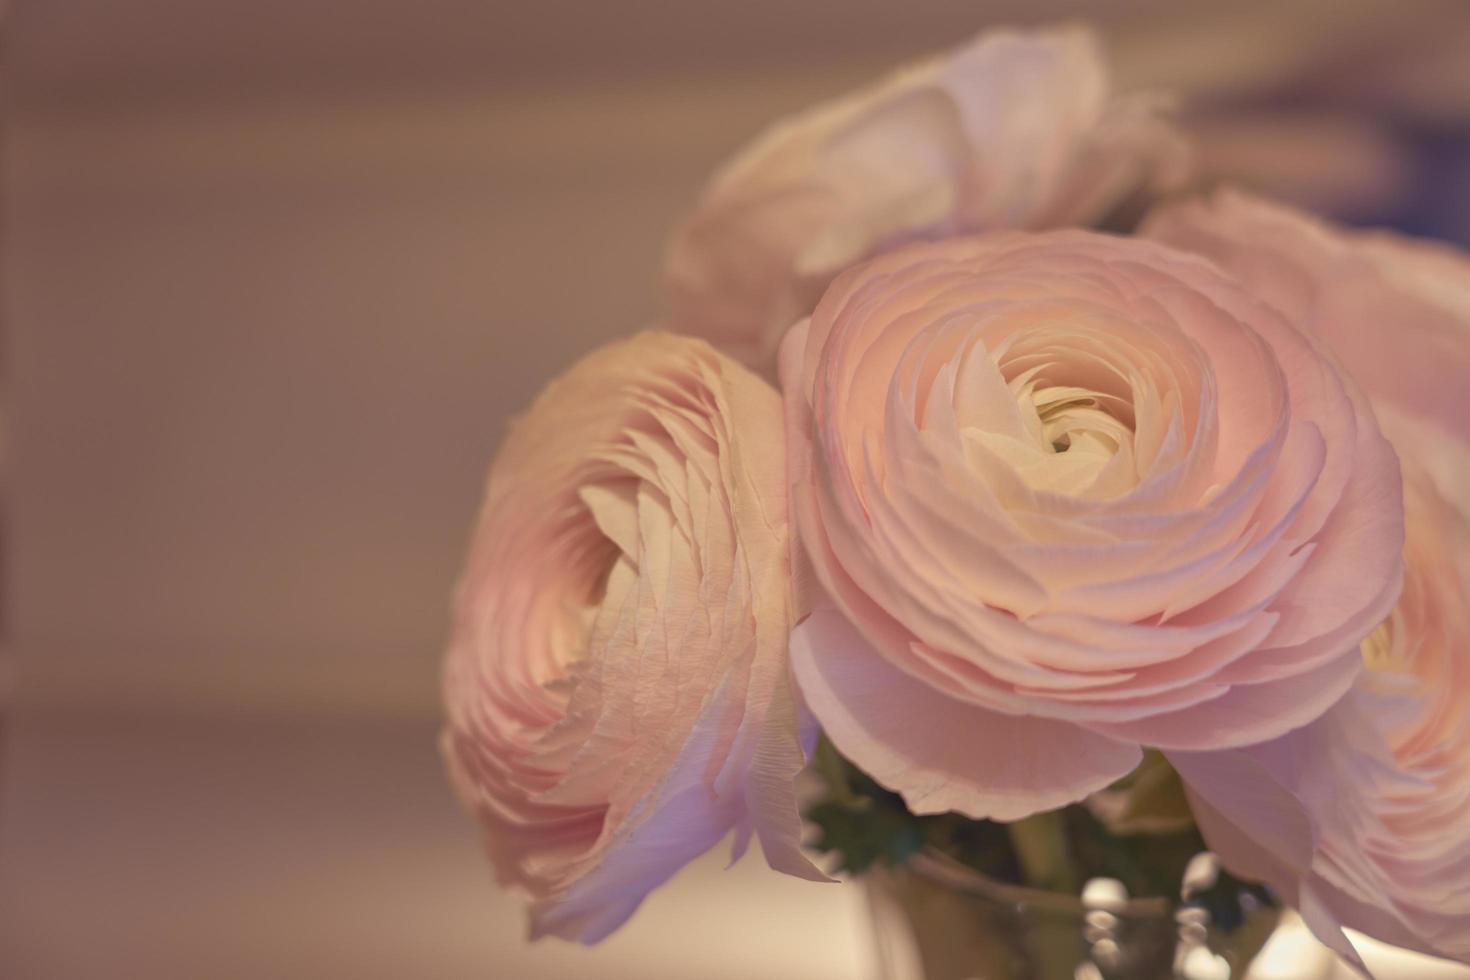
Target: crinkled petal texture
618 691
1073 494
1379 789
1014 130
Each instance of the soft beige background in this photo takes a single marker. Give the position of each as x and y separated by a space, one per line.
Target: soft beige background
275 273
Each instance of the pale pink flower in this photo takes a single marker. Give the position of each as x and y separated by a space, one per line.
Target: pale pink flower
1014 130
1072 494
617 683
1363 818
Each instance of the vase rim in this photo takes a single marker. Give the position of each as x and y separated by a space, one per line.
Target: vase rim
945 870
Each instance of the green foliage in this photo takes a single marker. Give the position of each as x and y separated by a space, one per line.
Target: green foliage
1145 837
863 833
861 823
1149 800
1146 864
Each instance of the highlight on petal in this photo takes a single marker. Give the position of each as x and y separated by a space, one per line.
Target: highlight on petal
1081 484
617 684
1017 129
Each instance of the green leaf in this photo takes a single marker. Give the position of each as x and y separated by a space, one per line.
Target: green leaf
859 824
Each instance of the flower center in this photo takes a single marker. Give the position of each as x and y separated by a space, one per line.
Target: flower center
1058 418
1378 652
1074 438
1070 419
607 550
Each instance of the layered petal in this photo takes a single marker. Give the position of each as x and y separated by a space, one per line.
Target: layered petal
1383 780
1014 130
617 683
944 754
1394 310
1085 483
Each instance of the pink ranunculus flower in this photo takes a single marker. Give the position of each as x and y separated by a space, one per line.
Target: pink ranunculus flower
1014 130
1359 818
617 684
1072 494
1363 818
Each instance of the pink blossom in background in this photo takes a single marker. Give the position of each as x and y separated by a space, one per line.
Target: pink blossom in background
1015 130
1394 310
1377 793
617 684
1072 494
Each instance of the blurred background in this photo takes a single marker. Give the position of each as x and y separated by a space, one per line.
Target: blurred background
275 273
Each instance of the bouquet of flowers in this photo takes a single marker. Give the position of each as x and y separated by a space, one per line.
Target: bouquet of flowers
1051 502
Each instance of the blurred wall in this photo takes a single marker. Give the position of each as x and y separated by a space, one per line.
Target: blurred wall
276 273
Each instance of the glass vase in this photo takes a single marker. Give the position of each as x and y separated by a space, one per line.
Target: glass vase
935 919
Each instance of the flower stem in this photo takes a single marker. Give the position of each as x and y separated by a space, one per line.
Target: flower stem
1040 842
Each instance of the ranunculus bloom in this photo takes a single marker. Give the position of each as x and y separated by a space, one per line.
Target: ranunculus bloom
1073 494
617 684
1394 310
1364 816
1359 819
1015 130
